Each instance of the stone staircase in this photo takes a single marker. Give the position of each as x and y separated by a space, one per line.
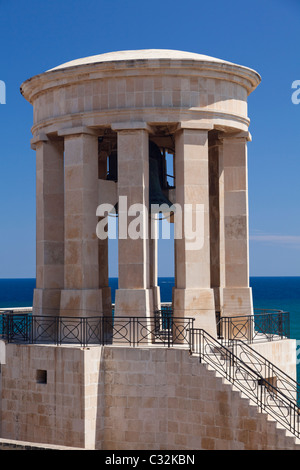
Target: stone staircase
269 391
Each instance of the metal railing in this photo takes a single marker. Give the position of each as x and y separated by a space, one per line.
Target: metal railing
84 331
286 384
248 378
264 325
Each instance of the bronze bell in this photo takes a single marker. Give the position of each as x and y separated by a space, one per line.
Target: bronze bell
156 195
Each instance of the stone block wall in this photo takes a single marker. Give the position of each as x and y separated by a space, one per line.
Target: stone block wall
165 399
116 398
43 412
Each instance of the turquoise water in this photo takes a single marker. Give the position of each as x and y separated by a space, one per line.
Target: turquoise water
268 292
281 293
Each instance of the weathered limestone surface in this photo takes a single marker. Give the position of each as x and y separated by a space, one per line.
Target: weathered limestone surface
193 296
129 398
134 96
237 295
49 226
134 296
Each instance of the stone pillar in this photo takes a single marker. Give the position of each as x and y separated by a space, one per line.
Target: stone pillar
237 295
81 295
193 296
134 296
49 225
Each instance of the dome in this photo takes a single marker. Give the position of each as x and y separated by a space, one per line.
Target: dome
139 63
144 54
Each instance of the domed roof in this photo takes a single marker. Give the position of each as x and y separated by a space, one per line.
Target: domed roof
144 54
151 60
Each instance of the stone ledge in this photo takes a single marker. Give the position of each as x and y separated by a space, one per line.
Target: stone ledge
7 444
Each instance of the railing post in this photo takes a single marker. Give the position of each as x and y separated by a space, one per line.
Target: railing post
280 325
297 421
259 398
218 320
102 331
132 331
10 327
84 332
59 336
56 332
190 341
170 330
31 327
228 322
200 332
289 325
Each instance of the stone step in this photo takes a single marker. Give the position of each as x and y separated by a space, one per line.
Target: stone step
252 400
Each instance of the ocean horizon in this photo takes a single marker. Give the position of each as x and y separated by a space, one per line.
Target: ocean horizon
281 293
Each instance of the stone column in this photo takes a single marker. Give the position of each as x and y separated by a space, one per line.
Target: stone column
193 296
237 295
49 225
81 295
134 296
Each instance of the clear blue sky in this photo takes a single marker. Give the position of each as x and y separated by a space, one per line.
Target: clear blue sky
36 35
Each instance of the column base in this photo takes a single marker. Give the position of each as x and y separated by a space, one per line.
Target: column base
237 301
156 298
46 302
218 293
134 303
198 304
106 301
85 302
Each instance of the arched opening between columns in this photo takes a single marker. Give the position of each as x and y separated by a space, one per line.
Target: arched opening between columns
163 256
108 247
162 262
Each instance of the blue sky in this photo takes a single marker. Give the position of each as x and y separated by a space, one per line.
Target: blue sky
37 35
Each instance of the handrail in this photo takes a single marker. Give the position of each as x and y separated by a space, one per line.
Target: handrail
283 381
247 379
270 325
100 330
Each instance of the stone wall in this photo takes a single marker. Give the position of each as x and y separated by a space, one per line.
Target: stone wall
116 398
282 353
49 412
165 399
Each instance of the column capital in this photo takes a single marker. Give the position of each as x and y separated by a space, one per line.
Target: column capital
194 125
237 136
131 126
38 138
72 131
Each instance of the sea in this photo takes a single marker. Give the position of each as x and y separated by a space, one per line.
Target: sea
280 293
